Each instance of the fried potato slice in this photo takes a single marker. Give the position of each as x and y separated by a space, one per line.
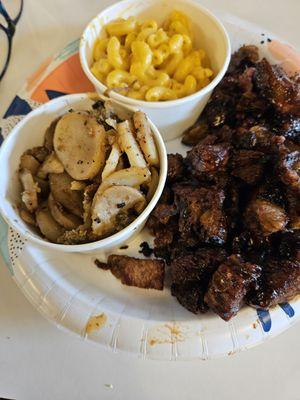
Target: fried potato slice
60 186
47 224
49 135
44 186
112 161
107 206
65 219
132 176
30 163
27 216
51 165
38 152
31 189
79 141
78 185
88 196
129 145
145 138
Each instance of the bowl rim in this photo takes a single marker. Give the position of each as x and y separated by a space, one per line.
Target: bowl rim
156 104
102 243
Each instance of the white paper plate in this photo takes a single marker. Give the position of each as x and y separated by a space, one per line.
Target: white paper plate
68 288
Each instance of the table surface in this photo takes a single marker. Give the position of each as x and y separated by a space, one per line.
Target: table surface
38 361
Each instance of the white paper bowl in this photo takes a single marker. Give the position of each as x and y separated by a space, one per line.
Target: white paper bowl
29 133
174 116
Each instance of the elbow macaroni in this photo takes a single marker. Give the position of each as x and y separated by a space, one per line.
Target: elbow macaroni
147 62
121 27
113 52
158 93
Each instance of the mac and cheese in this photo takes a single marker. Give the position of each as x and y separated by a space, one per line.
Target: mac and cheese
147 62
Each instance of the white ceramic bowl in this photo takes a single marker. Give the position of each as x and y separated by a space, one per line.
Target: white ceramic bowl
29 133
174 116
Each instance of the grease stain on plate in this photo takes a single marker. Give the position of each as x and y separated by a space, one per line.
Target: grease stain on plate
95 323
168 333
254 325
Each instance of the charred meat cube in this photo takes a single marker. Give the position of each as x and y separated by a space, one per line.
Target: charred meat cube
153 224
167 196
175 167
245 80
163 252
265 218
287 245
203 160
282 91
289 168
293 200
190 296
164 237
288 126
179 248
201 213
291 145
252 247
213 222
280 281
220 135
186 269
220 110
191 274
146 274
224 134
244 57
256 137
250 104
188 200
229 286
195 133
163 212
198 266
232 203
208 140
248 165
272 191
244 138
